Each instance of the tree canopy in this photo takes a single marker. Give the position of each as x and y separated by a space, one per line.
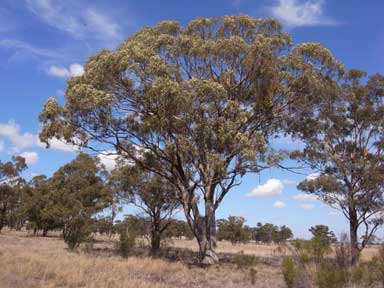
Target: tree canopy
195 105
344 137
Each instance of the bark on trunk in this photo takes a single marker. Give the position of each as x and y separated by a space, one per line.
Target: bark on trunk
155 232
206 236
355 251
2 219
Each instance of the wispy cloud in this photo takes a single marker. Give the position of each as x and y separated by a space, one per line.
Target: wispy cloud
78 22
296 13
307 206
28 49
305 197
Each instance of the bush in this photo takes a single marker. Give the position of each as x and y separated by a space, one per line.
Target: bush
126 243
76 231
290 272
245 261
318 248
329 276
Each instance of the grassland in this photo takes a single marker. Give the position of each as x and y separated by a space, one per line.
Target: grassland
27 261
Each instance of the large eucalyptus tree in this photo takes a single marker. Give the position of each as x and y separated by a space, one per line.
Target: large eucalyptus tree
195 105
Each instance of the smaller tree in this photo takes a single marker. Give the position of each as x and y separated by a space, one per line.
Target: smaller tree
10 181
78 194
284 234
37 200
321 241
324 233
233 230
154 195
178 229
344 139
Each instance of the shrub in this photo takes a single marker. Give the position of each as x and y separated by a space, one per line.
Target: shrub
245 261
290 272
76 231
126 243
318 248
329 276
343 255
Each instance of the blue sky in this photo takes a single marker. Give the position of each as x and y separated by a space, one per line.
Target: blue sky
43 42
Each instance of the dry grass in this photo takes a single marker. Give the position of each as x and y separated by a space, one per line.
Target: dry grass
260 250
45 262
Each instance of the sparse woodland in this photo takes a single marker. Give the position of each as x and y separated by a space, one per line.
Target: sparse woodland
189 111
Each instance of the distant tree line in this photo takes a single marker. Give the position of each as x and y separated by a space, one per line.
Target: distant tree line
234 230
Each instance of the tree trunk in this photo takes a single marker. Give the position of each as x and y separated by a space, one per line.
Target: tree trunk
2 217
155 241
205 231
355 251
155 232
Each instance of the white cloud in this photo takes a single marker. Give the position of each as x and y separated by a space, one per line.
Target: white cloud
312 176
279 205
11 131
273 187
302 13
78 21
30 157
73 71
307 206
305 197
2 146
60 145
108 159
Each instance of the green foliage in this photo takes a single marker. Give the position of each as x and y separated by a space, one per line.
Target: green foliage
76 231
203 102
233 230
343 134
290 272
178 229
249 262
329 276
323 233
244 260
127 235
10 187
268 233
155 196
311 250
77 193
